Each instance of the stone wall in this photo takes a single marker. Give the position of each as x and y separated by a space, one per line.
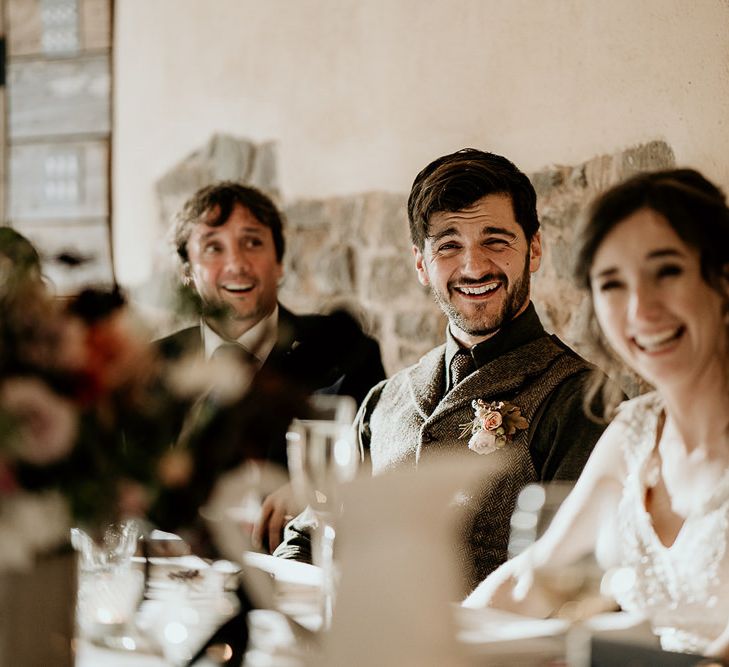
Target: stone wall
356 251
222 158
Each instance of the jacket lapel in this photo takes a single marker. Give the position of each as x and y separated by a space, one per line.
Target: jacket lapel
426 381
286 339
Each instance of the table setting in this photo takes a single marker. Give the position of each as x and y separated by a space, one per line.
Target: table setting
365 599
144 600
289 633
186 598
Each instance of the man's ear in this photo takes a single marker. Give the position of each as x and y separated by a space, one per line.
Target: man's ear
420 266
186 274
535 252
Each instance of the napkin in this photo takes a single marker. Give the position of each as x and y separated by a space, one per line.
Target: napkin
398 570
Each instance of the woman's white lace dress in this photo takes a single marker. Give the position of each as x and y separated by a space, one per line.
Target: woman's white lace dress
682 589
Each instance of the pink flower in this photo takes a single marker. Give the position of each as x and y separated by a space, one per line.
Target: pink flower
491 421
483 442
46 423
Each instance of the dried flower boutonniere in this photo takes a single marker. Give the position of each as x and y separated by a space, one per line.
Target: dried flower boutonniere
492 426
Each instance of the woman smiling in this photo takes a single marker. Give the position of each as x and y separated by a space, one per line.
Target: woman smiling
654 496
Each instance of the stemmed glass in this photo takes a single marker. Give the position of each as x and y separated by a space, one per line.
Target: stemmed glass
322 455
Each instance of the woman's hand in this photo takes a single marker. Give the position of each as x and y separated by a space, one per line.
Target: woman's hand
511 587
497 590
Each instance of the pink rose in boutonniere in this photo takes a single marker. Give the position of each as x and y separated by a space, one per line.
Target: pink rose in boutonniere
493 425
491 421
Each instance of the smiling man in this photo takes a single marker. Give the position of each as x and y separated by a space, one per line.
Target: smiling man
235 267
476 242
230 243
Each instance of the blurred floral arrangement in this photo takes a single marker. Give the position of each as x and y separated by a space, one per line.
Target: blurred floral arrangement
93 416
86 420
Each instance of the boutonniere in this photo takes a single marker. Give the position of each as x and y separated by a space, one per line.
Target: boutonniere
493 425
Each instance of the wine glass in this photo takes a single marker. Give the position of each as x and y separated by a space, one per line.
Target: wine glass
322 455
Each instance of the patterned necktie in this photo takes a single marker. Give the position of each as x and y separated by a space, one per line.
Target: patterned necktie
462 366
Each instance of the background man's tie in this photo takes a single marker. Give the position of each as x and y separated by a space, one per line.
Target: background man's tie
236 352
240 360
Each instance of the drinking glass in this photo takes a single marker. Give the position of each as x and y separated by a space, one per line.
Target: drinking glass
322 455
109 587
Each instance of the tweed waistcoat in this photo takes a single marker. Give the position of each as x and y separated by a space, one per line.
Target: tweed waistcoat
408 420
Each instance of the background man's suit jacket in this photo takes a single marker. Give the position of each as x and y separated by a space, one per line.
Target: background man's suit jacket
313 353
323 353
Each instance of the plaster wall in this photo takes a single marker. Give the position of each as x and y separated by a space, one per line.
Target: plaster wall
360 94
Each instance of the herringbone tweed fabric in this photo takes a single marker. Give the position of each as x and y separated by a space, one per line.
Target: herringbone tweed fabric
406 419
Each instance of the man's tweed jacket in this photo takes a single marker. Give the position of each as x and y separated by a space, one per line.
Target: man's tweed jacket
406 419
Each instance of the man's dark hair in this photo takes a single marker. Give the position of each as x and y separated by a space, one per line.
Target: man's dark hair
220 199
456 181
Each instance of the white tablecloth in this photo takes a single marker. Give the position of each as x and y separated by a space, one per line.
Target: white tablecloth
486 635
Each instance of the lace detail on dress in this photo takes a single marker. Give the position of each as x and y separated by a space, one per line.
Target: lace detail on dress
679 588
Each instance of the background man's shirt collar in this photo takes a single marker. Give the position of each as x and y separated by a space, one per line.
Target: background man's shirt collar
259 340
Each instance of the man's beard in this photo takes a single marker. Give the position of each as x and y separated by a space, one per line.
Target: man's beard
483 324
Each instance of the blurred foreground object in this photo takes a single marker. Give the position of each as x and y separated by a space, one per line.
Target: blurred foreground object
323 455
573 591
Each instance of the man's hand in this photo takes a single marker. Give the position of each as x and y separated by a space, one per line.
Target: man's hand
277 510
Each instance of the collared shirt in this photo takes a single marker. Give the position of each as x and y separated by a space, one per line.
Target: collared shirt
259 340
523 329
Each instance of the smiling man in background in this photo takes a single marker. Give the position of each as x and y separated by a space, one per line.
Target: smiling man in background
229 240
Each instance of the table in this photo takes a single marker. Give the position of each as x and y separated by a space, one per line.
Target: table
486 636
278 584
